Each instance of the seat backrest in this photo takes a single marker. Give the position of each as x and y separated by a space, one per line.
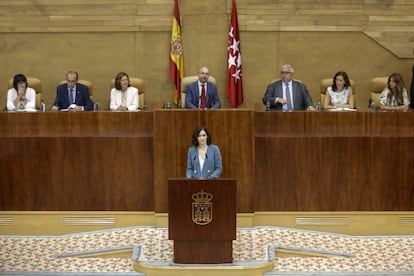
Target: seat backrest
84 82
376 86
325 83
275 80
34 83
186 81
137 83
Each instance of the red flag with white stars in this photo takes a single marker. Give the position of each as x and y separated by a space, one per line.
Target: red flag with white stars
234 62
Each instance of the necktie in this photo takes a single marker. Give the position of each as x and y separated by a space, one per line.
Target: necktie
71 97
288 97
203 96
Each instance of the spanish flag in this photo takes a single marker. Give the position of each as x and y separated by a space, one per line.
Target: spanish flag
176 54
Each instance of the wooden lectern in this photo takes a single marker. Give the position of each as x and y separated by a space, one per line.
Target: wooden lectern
202 219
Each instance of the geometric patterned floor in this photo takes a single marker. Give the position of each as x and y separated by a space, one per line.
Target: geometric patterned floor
338 253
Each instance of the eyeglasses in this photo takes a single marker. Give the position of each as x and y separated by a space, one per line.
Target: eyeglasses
284 72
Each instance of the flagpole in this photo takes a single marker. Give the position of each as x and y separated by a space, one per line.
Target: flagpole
176 54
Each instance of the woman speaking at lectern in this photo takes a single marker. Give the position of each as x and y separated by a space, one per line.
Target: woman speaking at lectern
204 158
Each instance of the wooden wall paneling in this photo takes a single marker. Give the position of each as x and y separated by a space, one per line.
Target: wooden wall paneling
366 171
283 161
391 173
232 131
172 138
382 123
68 174
316 174
95 164
288 124
336 124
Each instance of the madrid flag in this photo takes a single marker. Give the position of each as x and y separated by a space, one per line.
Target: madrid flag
176 54
234 62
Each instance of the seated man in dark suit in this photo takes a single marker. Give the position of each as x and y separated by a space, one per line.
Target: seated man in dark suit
72 95
202 94
286 93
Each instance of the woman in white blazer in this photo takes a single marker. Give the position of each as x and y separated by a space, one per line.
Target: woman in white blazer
123 97
21 96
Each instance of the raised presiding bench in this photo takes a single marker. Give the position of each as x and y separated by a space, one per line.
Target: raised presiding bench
76 161
334 161
282 161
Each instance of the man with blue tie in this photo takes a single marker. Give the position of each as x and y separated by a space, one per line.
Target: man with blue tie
286 93
202 94
72 95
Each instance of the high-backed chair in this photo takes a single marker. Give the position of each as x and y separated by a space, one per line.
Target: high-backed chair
190 79
376 86
86 83
34 83
325 83
137 83
275 80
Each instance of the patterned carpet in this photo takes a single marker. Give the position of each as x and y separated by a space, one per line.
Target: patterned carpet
387 254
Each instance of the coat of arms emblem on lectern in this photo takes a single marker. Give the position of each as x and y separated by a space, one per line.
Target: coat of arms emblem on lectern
202 208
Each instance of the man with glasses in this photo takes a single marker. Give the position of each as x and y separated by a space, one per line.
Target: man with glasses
72 96
286 93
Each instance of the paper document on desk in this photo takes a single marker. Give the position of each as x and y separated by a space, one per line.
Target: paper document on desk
27 110
70 108
342 109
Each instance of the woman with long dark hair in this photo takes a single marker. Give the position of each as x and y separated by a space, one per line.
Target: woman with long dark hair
395 95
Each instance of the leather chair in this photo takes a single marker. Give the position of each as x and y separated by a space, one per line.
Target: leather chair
34 83
325 83
84 82
186 81
376 86
137 83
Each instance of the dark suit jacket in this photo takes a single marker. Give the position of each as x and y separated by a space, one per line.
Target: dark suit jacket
82 96
301 97
192 96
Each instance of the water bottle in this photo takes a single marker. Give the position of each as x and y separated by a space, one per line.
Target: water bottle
42 106
372 105
96 106
318 105
267 105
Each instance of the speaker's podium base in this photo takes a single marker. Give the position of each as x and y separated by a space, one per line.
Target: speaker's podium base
202 220
200 252
247 268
